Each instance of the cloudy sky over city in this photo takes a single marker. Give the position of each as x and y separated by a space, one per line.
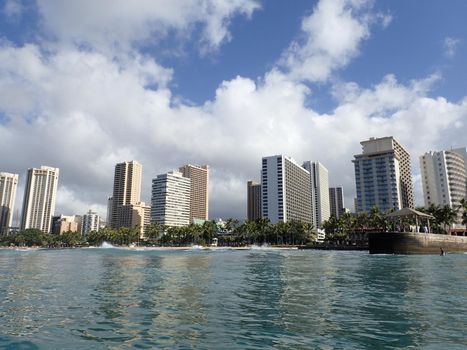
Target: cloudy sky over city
87 84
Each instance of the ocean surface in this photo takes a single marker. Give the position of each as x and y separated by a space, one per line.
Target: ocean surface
224 299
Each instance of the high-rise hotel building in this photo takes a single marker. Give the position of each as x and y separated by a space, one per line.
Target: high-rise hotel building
286 190
444 177
90 223
253 200
170 203
383 175
126 190
336 201
39 198
199 202
8 185
319 182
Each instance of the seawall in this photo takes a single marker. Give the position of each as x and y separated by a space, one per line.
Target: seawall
414 243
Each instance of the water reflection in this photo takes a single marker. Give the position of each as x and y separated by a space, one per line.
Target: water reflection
230 300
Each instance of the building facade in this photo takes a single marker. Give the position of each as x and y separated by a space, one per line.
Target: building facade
66 223
8 185
319 182
253 200
444 177
199 202
39 198
383 176
126 190
336 201
91 222
135 215
286 190
170 203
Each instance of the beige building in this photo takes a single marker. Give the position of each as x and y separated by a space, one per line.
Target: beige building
65 223
39 198
199 204
126 191
133 215
8 185
253 200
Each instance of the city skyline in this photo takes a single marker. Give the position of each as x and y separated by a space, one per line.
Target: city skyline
306 165
177 85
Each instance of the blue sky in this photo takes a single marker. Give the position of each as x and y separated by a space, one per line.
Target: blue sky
224 83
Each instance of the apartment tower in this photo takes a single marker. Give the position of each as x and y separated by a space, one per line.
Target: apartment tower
286 190
135 215
126 191
383 175
170 203
199 202
253 200
8 185
319 182
39 198
90 223
444 177
336 200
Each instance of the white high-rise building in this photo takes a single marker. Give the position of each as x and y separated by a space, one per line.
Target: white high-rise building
383 176
8 185
319 182
170 204
286 190
39 198
444 177
90 223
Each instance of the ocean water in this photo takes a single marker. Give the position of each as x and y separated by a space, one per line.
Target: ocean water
225 299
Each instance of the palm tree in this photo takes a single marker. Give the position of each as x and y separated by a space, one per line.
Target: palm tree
462 211
262 227
153 231
449 217
231 224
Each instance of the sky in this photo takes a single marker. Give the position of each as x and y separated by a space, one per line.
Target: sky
87 84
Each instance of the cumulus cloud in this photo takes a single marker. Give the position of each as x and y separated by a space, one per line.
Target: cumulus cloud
119 25
84 110
331 37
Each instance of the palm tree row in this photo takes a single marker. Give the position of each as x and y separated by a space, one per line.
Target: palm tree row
375 220
232 233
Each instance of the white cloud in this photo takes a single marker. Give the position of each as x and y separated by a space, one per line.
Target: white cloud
332 34
119 25
450 46
83 110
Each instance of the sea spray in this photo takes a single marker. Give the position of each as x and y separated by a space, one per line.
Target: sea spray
106 245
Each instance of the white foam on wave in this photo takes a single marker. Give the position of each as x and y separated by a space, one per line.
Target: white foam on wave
261 247
197 247
106 245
